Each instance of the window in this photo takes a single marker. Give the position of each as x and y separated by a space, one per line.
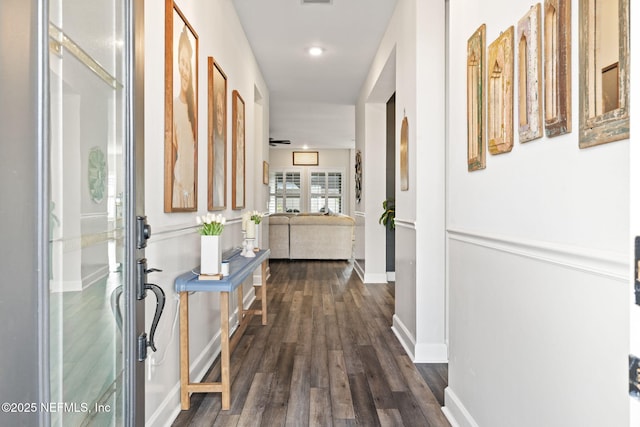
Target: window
284 192
325 192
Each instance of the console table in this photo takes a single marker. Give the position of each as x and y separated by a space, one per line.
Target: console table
239 269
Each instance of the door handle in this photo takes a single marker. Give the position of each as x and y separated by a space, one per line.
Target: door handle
160 299
115 306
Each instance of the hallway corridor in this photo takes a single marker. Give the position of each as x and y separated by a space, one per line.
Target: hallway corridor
327 357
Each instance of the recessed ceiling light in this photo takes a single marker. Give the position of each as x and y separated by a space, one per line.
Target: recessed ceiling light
315 51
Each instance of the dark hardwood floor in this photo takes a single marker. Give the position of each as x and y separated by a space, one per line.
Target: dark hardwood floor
326 358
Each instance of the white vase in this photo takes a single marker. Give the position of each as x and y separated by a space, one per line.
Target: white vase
210 254
258 241
251 230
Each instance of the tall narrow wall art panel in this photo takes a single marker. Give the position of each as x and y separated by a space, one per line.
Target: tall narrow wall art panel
557 67
529 76
404 155
181 112
217 137
237 151
500 93
476 156
604 71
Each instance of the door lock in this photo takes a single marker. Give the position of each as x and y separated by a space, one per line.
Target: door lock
143 231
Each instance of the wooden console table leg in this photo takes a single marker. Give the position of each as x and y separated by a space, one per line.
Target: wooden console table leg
225 377
184 350
240 304
263 293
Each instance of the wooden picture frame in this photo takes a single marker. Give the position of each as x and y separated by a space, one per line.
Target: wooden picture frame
476 155
557 67
265 173
305 158
181 113
500 93
604 72
404 155
217 137
238 152
528 39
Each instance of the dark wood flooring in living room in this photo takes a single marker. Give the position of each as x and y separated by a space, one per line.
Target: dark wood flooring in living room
326 358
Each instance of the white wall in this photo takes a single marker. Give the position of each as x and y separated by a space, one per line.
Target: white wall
174 245
412 55
537 254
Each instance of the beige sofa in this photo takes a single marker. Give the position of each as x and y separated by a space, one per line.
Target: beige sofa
311 236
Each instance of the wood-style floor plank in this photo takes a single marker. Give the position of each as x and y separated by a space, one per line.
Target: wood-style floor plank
327 357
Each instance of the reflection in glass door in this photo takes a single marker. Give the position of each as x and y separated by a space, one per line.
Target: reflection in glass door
88 128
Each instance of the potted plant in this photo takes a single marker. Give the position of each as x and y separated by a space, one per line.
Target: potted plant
388 217
211 227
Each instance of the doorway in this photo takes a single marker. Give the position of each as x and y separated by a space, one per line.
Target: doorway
390 195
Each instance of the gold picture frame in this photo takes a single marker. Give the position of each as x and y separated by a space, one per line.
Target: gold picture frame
265 173
404 155
500 93
217 137
557 67
305 158
181 113
476 155
238 152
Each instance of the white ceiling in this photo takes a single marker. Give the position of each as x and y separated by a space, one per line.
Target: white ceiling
312 99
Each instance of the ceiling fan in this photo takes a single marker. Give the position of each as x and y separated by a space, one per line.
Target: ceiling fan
274 142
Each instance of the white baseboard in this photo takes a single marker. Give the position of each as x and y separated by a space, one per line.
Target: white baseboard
391 276
375 278
431 353
404 336
455 411
170 408
369 277
419 352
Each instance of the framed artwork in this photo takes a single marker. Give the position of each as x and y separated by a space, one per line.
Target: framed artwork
358 177
476 156
217 137
305 158
500 93
265 173
181 112
238 151
557 67
529 76
604 71
404 155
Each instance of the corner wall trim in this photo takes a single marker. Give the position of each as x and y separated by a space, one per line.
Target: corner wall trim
604 263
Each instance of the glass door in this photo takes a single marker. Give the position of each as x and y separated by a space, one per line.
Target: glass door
93 205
